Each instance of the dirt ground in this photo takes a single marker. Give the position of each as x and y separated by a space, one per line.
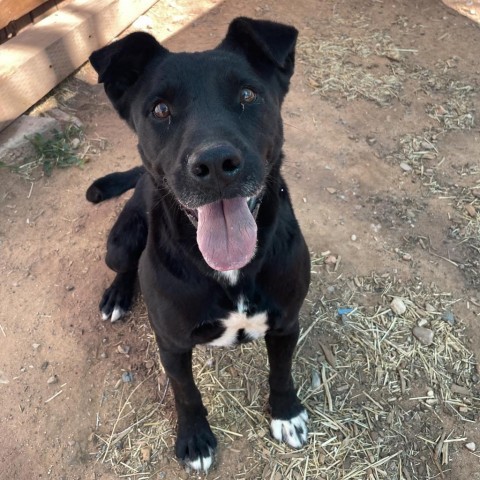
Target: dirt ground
359 193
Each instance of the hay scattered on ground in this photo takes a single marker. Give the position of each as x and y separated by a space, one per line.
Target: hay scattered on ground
378 399
349 66
338 66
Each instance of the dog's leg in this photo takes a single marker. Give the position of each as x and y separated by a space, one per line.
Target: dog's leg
113 184
289 417
125 245
117 298
195 443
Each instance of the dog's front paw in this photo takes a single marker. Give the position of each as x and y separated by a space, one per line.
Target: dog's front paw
196 445
117 299
292 430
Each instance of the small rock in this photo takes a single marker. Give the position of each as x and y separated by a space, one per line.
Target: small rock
3 378
149 364
398 306
315 380
331 260
429 308
127 377
448 317
475 378
69 288
405 167
65 117
430 394
426 145
371 140
44 365
123 349
353 238
423 335
75 143
35 346
471 210
103 355
331 190
407 257
422 322
476 193
471 446
71 443
459 390
146 454
53 379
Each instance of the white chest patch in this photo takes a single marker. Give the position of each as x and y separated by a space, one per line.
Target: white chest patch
254 327
230 276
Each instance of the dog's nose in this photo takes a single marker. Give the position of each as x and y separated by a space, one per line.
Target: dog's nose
219 163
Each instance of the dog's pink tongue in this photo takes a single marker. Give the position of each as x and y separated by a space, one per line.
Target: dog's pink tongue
226 234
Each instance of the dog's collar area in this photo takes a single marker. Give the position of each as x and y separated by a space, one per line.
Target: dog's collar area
252 202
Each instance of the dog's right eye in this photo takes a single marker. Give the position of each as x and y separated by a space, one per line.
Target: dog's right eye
161 110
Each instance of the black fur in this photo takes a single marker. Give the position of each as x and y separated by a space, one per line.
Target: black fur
213 146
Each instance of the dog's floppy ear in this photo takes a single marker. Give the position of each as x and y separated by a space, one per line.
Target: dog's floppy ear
120 64
261 40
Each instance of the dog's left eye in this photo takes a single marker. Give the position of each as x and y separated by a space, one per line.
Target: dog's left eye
161 110
247 95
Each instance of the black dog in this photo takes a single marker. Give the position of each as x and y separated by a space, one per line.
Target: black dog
210 228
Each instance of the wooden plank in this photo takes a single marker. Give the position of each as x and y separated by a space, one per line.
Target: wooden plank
36 60
11 10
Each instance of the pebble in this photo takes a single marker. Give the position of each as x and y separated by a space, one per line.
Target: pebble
471 210
405 167
127 377
331 260
423 335
371 140
75 143
398 306
146 453
52 379
3 378
353 238
448 317
407 257
471 446
35 346
459 390
69 288
315 380
429 308
422 322
476 193
331 190
430 394
149 364
124 349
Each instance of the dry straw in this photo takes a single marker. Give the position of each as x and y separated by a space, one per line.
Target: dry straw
377 398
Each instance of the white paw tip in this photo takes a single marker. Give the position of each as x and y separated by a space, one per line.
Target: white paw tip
292 431
105 316
201 463
117 314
